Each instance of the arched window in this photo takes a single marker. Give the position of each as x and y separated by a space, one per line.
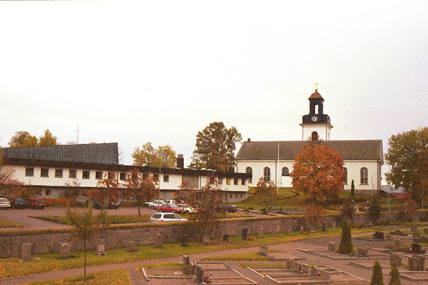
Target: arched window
345 171
266 174
285 171
364 176
249 170
314 136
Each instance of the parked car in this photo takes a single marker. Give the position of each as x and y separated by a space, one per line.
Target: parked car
18 203
166 217
187 208
229 208
170 208
35 203
106 205
154 204
173 202
4 203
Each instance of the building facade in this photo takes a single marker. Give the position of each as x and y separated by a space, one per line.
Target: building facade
87 165
273 160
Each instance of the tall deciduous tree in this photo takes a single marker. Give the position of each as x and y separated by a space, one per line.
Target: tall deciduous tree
208 203
147 155
266 191
23 139
107 190
215 146
318 172
47 139
140 188
406 154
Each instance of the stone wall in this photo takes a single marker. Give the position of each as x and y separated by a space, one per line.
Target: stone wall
45 241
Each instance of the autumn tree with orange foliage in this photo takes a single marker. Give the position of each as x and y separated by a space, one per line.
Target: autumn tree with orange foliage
9 185
141 188
107 190
266 190
318 172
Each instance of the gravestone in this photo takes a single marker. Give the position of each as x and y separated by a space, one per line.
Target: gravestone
101 247
302 229
244 233
379 235
324 275
206 239
260 233
289 229
362 252
416 248
417 263
159 240
225 238
64 251
186 260
131 246
314 272
199 274
263 250
323 227
274 231
398 243
184 240
333 226
26 252
331 246
395 258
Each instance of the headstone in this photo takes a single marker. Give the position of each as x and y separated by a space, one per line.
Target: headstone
379 235
206 239
362 252
64 251
323 227
331 246
398 243
131 246
186 260
416 248
225 238
184 240
26 252
260 232
414 228
314 272
199 274
333 226
324 275
306 269
101 247
302 229
159 240
417 263
244 233
263 250
289 229
395 258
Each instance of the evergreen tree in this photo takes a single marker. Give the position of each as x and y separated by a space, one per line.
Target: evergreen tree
377 277
352 190
395 275
345 246
374 211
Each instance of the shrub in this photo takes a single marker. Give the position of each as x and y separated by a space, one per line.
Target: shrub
374 211
60 202
345 246
395 275
377 276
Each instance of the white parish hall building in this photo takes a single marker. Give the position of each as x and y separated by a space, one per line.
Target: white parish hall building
273 160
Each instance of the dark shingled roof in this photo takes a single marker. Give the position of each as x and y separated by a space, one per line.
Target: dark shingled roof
104 153
349 150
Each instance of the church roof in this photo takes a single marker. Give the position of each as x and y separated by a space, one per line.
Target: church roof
348 149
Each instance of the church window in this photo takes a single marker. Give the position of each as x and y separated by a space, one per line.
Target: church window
345 171
249 170
266 174
364 176
314 136
285 171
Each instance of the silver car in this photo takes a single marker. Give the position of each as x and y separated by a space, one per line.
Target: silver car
4 203
166 217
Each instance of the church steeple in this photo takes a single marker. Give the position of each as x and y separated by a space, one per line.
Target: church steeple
316 124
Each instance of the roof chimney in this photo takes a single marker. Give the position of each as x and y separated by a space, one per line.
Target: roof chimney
180 161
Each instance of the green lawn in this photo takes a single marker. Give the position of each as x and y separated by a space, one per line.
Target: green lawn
9 224
106 277
283 200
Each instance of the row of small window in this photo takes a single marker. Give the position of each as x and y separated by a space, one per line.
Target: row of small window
364 174
86 174
237 195
229 181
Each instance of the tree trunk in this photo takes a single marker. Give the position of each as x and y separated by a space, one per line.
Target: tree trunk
84 267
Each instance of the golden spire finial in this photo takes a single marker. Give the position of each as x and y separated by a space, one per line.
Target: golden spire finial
316 86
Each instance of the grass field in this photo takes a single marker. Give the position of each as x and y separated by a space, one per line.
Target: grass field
9 224
106 277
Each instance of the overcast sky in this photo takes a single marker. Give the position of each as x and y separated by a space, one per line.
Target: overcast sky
135 71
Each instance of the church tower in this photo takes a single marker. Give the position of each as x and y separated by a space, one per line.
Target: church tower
316 125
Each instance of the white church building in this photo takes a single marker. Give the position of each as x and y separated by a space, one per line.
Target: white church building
273 160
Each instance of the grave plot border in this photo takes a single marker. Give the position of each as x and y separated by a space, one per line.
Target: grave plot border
227 268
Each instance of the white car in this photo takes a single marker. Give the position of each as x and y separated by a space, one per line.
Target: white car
166 217
187 208
154 204
4 203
